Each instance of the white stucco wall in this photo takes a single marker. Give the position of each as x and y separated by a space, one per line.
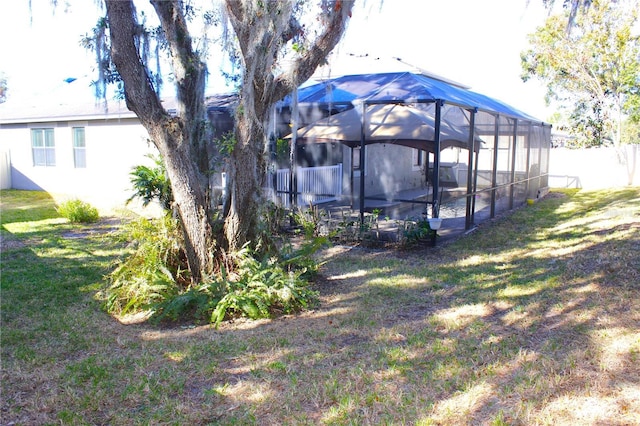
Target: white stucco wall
594 168
113 148
388 170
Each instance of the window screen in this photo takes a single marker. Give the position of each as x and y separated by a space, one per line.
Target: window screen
355 158
43 147
416 158
79 148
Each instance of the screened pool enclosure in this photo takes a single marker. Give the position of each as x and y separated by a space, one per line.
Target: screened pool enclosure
410 145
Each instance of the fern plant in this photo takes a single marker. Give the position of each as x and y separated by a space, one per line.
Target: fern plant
262 289
152 272
254 289
414 233
152 278
195 303
311 220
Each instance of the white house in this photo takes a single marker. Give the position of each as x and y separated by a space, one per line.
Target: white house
84 151
73 151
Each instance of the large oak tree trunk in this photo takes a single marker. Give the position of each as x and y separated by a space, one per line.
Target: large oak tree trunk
181 140
191 200
246 175
262 29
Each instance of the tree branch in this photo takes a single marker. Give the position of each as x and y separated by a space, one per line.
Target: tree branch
188 67
140 95
304 67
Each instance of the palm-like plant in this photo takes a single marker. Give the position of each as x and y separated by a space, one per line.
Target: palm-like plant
152 183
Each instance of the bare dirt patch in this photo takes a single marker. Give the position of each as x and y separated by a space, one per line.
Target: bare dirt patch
101 227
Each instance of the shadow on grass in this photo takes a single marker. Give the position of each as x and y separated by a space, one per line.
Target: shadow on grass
539 327
47 279
26 206
533 319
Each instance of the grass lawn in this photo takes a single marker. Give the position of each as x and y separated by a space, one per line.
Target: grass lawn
532 319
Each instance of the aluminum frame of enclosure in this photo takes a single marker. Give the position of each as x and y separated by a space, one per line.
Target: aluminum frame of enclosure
502 130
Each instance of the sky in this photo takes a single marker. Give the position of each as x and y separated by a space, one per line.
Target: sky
474 42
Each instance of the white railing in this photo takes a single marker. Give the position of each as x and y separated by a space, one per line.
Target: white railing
315 185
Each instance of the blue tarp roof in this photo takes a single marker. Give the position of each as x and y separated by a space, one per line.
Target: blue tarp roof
397 87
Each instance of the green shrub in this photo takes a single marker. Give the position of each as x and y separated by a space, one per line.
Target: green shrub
255 289
153 278
77 211
152 183
311 220
262 289
302 259
152 272
414 233
196 303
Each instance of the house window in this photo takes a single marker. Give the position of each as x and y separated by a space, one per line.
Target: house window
43 147
355 158
416 159
79 148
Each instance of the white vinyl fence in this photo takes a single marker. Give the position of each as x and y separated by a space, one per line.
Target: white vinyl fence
315 185
5 170
594 168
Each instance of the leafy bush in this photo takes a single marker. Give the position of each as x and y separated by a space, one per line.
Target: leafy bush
273 217
77 211
414 233
267 229
301 259
349 229
312 221
152 183
195 303
153 272
153 278
255 289
261 289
